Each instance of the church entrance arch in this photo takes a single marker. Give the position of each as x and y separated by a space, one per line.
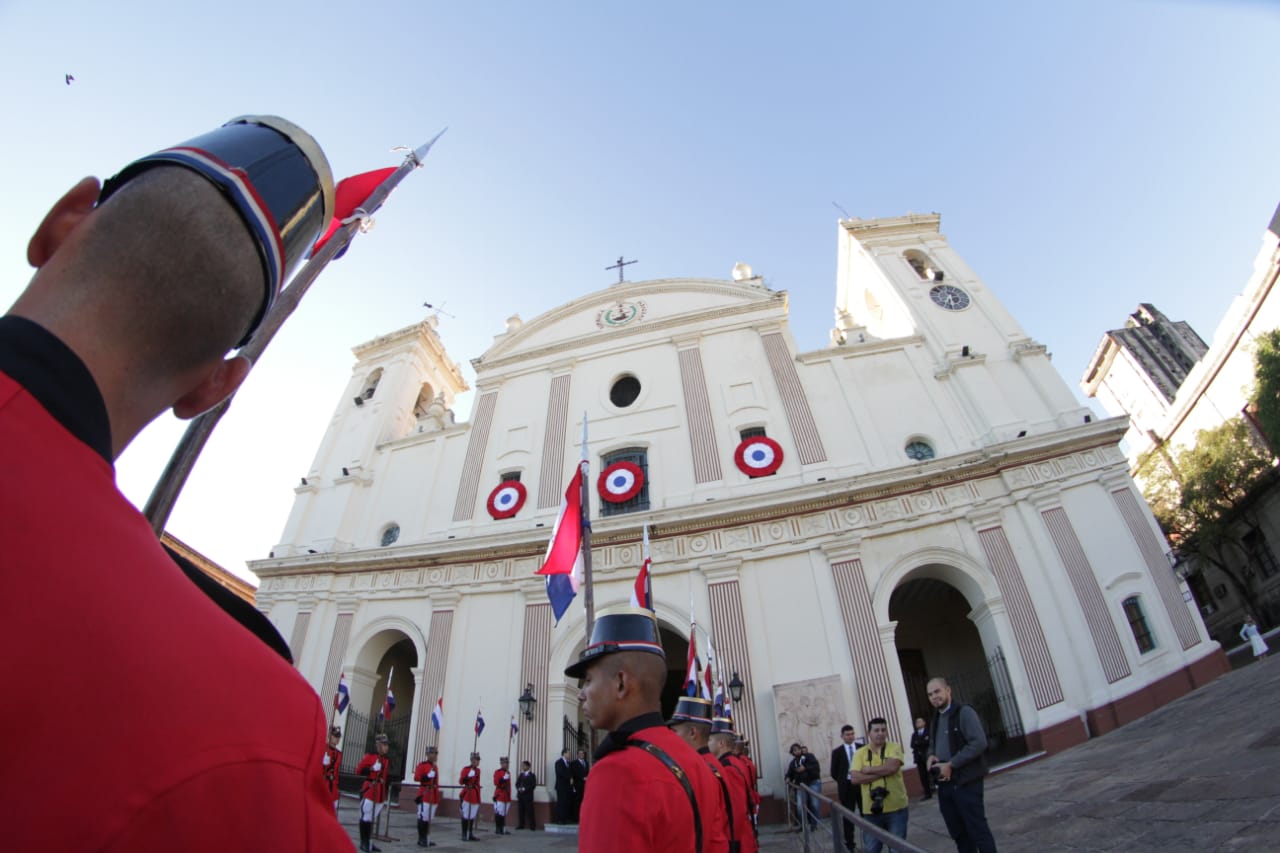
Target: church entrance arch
936 635
385 664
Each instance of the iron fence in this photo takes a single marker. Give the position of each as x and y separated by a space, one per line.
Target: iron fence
358 741
827 836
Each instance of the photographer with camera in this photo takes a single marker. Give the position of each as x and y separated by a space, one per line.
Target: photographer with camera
957 765
877 768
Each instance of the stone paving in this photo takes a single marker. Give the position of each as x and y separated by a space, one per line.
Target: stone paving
1202 773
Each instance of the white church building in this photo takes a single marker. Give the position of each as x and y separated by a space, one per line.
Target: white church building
920 495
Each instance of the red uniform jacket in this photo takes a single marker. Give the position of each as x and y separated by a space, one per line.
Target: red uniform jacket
71 538
740 793
749 773
469 779
636 805
331 768
501 786
375 782
427 775
731 804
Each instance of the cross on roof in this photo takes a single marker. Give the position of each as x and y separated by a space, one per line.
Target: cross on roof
618 266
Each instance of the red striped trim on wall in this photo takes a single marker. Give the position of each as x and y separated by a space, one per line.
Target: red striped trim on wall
550 488
1158 566
337 650
729 632
431 685
794 402
697 407
1085 583
465 506
299 637
1046 690
870 673
531 743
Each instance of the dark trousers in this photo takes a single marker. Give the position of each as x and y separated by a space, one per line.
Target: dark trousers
926 781
564 806
965 814
525 802
849 799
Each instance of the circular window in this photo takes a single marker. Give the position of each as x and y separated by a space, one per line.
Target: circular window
391 534
949 296
919 450
625 391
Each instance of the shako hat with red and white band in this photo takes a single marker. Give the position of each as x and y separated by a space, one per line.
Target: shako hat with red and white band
623 630
691 709
274 174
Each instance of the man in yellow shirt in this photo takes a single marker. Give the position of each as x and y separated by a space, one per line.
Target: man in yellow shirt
877 769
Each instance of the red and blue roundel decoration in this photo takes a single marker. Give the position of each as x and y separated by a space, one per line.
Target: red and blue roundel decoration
758 456
620 482
506 499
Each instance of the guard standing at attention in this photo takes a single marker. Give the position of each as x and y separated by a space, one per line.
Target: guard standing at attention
501 796
427 775
376 770
331 763
469 779
735 781
623 670
692 722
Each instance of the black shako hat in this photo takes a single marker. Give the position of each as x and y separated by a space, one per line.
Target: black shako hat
722 726
626 630
691 709
274 174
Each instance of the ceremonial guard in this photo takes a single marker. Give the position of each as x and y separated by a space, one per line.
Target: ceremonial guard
742 755
692 722
376 770
331 763
427 775
735 781
525 783
469 779
501 796
623 670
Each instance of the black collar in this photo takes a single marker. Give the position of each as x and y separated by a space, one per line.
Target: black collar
617 739
53 374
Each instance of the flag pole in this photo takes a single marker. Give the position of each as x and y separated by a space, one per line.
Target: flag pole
589 599
165 494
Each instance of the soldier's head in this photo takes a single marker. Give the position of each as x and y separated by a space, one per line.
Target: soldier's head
475 759
692 720
504 761
335 735
432 752
383 745
722 736
622 670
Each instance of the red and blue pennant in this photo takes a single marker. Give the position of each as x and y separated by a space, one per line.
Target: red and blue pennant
506 499
620 482
758 456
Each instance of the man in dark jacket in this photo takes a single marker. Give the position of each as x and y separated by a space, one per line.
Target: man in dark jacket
806 775
920 754
841 761
957 744
578 771
564 789
525 783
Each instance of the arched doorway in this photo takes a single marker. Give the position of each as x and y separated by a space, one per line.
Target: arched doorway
386 661
936 636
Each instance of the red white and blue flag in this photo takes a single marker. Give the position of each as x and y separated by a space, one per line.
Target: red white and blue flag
642 590
479 723
563 564
693 671
720 707
342 698
515 730
706 673
350 194
389 703
437 714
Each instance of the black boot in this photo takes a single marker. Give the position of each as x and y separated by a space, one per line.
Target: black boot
366 830
464 829
499 823
422 833
426 825
471 830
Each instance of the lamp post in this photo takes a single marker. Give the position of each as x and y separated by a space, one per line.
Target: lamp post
735 688
527 702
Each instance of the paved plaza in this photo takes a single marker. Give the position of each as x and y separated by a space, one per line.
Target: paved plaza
1202 773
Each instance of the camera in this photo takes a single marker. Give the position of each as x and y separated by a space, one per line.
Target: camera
877 799
934 772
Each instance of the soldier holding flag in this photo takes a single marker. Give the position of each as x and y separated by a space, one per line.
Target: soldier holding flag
427 775
501 796
375 767
331 764
469 779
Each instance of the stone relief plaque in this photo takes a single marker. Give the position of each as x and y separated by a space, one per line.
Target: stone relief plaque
810 712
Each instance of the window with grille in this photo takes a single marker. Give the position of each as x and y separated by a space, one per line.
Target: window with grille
639 457
751 432
511 477
1138 624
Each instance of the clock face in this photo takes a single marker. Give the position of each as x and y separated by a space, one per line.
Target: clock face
949 296
620 314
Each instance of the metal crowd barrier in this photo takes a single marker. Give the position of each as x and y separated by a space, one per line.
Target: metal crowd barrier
828 836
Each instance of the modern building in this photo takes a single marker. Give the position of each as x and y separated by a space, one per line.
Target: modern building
1149 354
919 495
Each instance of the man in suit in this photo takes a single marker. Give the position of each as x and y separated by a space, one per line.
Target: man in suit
841 762
564 789
525 783
920 754
578 771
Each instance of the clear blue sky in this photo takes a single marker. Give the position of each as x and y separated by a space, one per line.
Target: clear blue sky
1085 155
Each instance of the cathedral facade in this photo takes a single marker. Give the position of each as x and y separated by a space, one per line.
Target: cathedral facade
920 495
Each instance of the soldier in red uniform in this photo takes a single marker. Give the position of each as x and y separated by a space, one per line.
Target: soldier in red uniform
501 796
742 751
649 789
331 762
469 779
427 775
692 722
376 770
735 779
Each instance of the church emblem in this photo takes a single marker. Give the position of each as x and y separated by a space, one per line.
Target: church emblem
620 314
506 499
758 456
620 482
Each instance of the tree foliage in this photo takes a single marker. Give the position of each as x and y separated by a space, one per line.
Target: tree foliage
1265 399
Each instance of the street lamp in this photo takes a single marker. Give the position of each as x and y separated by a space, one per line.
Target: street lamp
735 687
527 702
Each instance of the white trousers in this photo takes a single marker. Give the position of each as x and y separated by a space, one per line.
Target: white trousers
426 811
500 809
369 810
470 810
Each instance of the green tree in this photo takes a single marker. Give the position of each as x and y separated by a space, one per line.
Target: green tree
1265 399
